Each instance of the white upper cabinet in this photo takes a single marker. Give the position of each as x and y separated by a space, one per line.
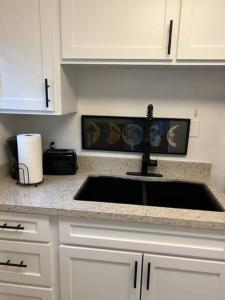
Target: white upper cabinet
26 55
202 30
115 29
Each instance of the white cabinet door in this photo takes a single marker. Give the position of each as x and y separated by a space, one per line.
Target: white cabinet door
115 29
16 292
26 55
202 30
95 274
177 278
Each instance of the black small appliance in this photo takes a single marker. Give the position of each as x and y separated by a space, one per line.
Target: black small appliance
59 162
13 157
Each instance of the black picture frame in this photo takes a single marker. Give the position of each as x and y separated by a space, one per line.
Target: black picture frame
125 134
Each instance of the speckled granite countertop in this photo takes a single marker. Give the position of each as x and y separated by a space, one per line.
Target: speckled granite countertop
55 196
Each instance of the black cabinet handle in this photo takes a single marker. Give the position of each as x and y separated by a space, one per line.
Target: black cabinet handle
46 92
9 264
135 274
170 37
148 276
6 226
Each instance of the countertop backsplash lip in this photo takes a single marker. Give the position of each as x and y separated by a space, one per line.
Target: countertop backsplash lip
169 168
55 195
121 165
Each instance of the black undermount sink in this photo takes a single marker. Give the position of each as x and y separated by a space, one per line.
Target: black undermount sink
174 194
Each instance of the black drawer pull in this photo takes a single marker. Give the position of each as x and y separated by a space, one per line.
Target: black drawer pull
6 226
148 276
170 37
46 92
9 264
135 274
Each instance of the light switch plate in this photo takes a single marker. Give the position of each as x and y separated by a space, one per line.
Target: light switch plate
194 130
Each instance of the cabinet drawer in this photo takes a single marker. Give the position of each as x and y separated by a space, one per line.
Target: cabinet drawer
14 226
150 238
25 263
15 292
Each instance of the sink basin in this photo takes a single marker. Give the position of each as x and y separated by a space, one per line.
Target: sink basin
111 189
181 194
174 194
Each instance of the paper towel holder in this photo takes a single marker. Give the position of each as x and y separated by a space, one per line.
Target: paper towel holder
21 167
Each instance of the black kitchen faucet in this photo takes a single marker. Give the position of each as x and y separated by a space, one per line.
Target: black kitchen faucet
146 157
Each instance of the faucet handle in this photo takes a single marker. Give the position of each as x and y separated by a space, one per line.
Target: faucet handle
153 163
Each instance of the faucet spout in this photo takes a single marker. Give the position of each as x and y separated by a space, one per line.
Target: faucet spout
146 157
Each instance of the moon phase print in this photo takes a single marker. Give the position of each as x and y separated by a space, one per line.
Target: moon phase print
127 134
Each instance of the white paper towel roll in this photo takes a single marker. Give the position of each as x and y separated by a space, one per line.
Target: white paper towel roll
30 158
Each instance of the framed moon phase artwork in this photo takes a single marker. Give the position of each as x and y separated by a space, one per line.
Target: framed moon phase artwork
167 135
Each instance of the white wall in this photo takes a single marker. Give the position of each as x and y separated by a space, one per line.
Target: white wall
7 128
127 92
218 154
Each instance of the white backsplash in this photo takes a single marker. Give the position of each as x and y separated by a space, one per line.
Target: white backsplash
128 91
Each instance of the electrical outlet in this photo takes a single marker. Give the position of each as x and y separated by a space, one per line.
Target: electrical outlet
47 142
194 130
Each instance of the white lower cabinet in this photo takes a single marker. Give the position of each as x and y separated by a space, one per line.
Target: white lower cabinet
96 274
27 257
173 263
16 292
176 278
108 261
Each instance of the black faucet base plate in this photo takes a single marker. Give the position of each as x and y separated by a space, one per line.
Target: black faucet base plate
145 174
